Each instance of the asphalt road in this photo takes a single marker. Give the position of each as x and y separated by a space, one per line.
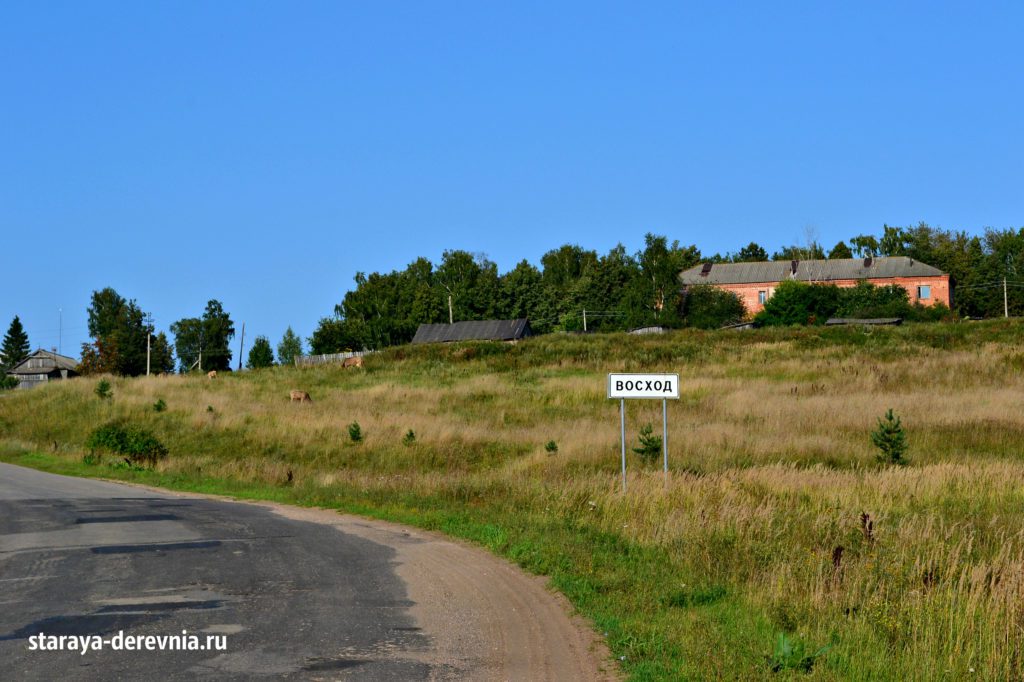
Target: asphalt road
295 594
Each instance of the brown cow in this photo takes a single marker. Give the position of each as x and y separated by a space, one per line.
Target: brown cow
301 397
212 374
352 362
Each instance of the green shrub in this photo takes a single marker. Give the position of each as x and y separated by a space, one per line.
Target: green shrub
409 438
890 440
137 445
709 307
551 447
8 382
791 654
103 391
355 432
802 303
796 302
159 405
650 444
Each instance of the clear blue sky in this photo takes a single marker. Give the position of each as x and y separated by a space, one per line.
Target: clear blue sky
263 153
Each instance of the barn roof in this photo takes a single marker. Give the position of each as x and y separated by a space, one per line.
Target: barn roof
482 330
807 270
59 362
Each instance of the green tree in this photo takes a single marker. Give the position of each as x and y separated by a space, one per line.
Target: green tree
840 250
218 330
161 354
890 440
751 253
660 265
120 330
473 283
336 335
260 355
208 337
15 346
565 281
864 246
521 292
188 341
613 298
289 348
813 251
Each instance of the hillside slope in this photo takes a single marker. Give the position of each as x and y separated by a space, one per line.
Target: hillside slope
772 470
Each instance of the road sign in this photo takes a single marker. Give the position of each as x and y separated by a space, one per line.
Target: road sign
651 386
661 387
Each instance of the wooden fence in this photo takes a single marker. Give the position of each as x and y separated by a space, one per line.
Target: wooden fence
328 359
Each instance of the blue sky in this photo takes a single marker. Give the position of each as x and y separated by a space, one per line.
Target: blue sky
263 153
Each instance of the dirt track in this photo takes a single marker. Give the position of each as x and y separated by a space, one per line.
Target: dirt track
483 615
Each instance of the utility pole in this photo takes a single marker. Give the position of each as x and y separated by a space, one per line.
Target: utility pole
241 346
148 337
584 319
451 318
1006 306
60 333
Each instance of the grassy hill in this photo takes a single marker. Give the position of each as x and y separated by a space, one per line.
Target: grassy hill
734 569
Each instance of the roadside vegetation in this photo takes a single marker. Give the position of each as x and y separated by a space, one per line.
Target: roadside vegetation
845 503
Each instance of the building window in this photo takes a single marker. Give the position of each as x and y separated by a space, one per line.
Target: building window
762 296
924 293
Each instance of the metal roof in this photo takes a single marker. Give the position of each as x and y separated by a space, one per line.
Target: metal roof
482 330
807 270
59 362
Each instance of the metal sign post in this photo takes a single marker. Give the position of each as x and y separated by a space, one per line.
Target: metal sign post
643 386
622 425
664 435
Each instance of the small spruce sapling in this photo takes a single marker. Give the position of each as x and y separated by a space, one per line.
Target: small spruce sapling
103 391
890 440
650 444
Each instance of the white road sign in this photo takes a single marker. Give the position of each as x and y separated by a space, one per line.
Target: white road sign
651 386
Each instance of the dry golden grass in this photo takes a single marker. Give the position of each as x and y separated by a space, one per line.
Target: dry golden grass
772 468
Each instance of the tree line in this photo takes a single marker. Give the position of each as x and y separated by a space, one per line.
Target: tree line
621 290
124 340
573 288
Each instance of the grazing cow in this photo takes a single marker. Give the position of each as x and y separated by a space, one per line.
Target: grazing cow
301 397
212 374
352 362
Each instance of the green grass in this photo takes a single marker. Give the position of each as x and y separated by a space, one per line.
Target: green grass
772 468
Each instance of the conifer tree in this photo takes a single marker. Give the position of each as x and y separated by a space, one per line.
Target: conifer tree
15 345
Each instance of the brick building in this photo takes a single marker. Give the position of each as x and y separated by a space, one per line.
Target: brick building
754 283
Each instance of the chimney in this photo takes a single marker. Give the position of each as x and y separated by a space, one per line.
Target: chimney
793 266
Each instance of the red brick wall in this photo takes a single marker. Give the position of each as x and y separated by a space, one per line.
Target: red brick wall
748 293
